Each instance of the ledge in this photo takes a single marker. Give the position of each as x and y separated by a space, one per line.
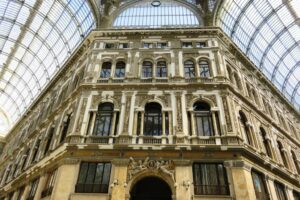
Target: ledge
89 196
211 197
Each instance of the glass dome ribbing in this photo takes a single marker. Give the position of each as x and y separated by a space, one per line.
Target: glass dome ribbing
268 32
36 38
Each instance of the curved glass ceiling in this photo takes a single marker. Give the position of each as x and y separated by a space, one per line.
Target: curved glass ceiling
36 38
268 31
156 14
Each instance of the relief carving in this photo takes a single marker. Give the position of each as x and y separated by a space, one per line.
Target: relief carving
158 166
227 117
212 98
179 113
127 110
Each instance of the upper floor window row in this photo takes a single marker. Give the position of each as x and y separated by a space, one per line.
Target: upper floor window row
158 45
154 44
123 45
197 44
159 69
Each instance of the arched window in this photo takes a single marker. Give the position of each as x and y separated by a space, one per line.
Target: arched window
189 69
161 69
229 73
106 69
296 163
153 119
120 69
65 125
282 154
245 129
103 121
147 69
204 69
203 119
266 144
237 81
255 97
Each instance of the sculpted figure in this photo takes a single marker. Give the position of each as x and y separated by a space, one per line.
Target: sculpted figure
165 168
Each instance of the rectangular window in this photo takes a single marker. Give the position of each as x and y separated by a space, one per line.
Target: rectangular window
123 46
93 178
65 128
109 45
10 196
34 185
296 195
259 186
162 45
210 179
200 44
21 192
187 44
148 45
49 140
280 191
49 184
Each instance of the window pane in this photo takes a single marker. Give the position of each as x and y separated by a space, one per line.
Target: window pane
210 179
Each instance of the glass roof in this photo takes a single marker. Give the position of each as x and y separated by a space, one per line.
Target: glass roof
36 38
156 14
268 31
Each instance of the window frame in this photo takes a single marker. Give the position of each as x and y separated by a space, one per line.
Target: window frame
203 116
120 65
204 69
49 184
263 184
147 69
103 118
106 69
84 186
151 128
189 69
33 188
205 189
161 70
279 186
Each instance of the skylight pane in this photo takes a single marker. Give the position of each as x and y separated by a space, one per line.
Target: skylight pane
144 15
275 45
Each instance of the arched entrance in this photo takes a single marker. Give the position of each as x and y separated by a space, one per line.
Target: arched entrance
151 188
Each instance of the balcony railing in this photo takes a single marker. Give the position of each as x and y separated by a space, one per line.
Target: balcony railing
154 140
159 80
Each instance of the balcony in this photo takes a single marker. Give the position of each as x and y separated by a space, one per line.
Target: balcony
160 80
156 140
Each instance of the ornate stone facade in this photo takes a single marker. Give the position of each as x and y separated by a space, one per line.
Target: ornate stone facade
200 122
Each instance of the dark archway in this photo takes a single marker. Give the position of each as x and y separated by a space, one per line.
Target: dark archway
151 188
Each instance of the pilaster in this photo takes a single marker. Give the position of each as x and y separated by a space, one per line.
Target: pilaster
240 173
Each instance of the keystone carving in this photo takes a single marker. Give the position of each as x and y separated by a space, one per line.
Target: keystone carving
158 166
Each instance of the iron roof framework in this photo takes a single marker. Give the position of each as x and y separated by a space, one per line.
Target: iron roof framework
36 38
268 32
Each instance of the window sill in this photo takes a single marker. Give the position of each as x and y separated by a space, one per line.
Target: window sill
210 197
